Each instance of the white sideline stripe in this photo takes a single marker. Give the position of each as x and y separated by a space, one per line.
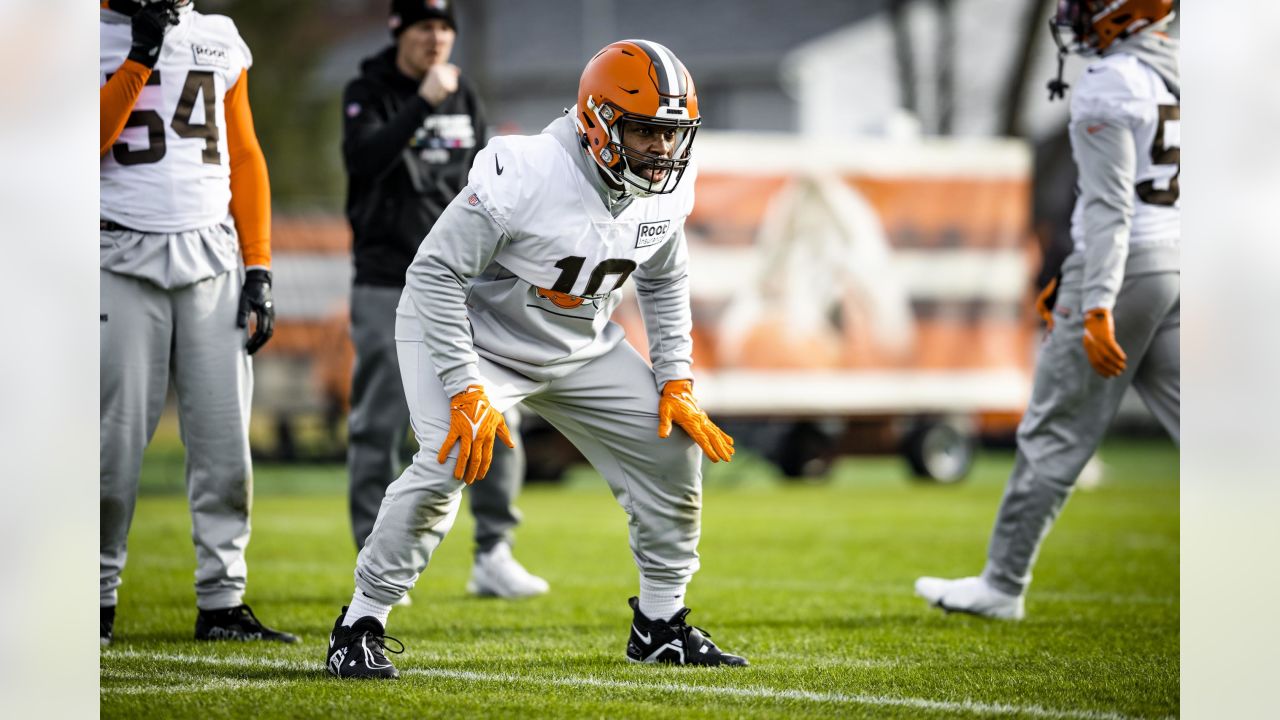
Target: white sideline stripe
953 706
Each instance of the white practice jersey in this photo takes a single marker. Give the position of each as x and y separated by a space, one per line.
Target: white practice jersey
543 261
1122 90
169 170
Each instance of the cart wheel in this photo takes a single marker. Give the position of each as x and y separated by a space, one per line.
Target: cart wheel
806 452
547 454
940 450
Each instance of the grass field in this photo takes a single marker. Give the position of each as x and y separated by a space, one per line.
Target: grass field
811 582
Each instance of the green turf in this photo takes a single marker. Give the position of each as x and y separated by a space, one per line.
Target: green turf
812 582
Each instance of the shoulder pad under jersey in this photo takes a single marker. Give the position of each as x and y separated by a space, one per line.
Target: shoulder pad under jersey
509 172
1113 87
223 29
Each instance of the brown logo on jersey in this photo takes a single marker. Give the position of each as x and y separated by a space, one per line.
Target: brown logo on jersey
564 300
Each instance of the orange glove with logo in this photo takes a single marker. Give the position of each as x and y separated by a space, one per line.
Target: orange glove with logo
1105 355
1042 303
677 404
473 423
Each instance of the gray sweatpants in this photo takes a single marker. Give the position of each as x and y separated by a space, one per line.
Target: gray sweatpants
189 334
608 409
379 420
1072 406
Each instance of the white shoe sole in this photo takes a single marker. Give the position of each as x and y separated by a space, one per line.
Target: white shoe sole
1012 614
487 592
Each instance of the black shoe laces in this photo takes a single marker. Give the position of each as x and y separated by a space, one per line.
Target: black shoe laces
685 627
705 634
381 642
244 613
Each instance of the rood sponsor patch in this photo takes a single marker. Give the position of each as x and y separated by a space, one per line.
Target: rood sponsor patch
211 56
652 233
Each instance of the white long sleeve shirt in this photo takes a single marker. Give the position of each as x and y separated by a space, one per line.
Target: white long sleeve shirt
526 266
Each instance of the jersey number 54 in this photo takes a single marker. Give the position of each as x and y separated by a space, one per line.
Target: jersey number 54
198 86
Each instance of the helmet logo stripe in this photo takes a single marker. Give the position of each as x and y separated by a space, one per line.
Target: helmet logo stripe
670 79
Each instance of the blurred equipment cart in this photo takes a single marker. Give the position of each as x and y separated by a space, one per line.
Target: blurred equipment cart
867 296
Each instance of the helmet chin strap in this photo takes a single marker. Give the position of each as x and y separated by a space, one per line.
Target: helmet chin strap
1057 86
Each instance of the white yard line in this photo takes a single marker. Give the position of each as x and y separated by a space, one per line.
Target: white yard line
947 706
195 687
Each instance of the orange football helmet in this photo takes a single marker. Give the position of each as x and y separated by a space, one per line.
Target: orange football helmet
642 83
1096 24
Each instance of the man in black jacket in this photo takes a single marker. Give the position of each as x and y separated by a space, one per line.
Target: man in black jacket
412 127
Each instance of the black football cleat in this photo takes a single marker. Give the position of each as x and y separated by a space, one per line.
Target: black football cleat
237 623
359 651
673 641
106 624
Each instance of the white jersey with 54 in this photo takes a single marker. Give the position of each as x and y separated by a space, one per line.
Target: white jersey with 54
169 171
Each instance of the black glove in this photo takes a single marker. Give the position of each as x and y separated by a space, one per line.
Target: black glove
149 24
256 298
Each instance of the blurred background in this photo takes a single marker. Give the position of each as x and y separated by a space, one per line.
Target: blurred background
884 186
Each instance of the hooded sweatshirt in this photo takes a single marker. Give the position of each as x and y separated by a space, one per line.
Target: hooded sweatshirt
405 160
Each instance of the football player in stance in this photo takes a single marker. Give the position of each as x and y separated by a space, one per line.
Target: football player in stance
508 301
1115 319
185 251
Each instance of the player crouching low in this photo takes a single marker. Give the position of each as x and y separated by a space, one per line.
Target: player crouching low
508 302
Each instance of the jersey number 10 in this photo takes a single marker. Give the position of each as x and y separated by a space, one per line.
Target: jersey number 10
198 85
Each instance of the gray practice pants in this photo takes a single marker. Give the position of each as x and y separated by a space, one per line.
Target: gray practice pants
379 421
1071 407
608 409
148 335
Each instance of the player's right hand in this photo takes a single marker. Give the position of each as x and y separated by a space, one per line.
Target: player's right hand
1045 302
440 82
473 424
1100 345
149 24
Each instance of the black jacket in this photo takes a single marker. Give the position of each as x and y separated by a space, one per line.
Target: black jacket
405 160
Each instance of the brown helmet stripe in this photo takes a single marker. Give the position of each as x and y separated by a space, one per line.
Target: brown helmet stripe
670 73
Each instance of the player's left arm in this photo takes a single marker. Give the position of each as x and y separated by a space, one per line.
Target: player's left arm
1106 153
251 209
662 290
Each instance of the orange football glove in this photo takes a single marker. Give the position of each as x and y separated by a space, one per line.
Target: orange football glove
1042 303
677 404
1105 355
473 423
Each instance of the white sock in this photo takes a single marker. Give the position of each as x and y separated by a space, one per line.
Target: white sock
660 600
364 606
